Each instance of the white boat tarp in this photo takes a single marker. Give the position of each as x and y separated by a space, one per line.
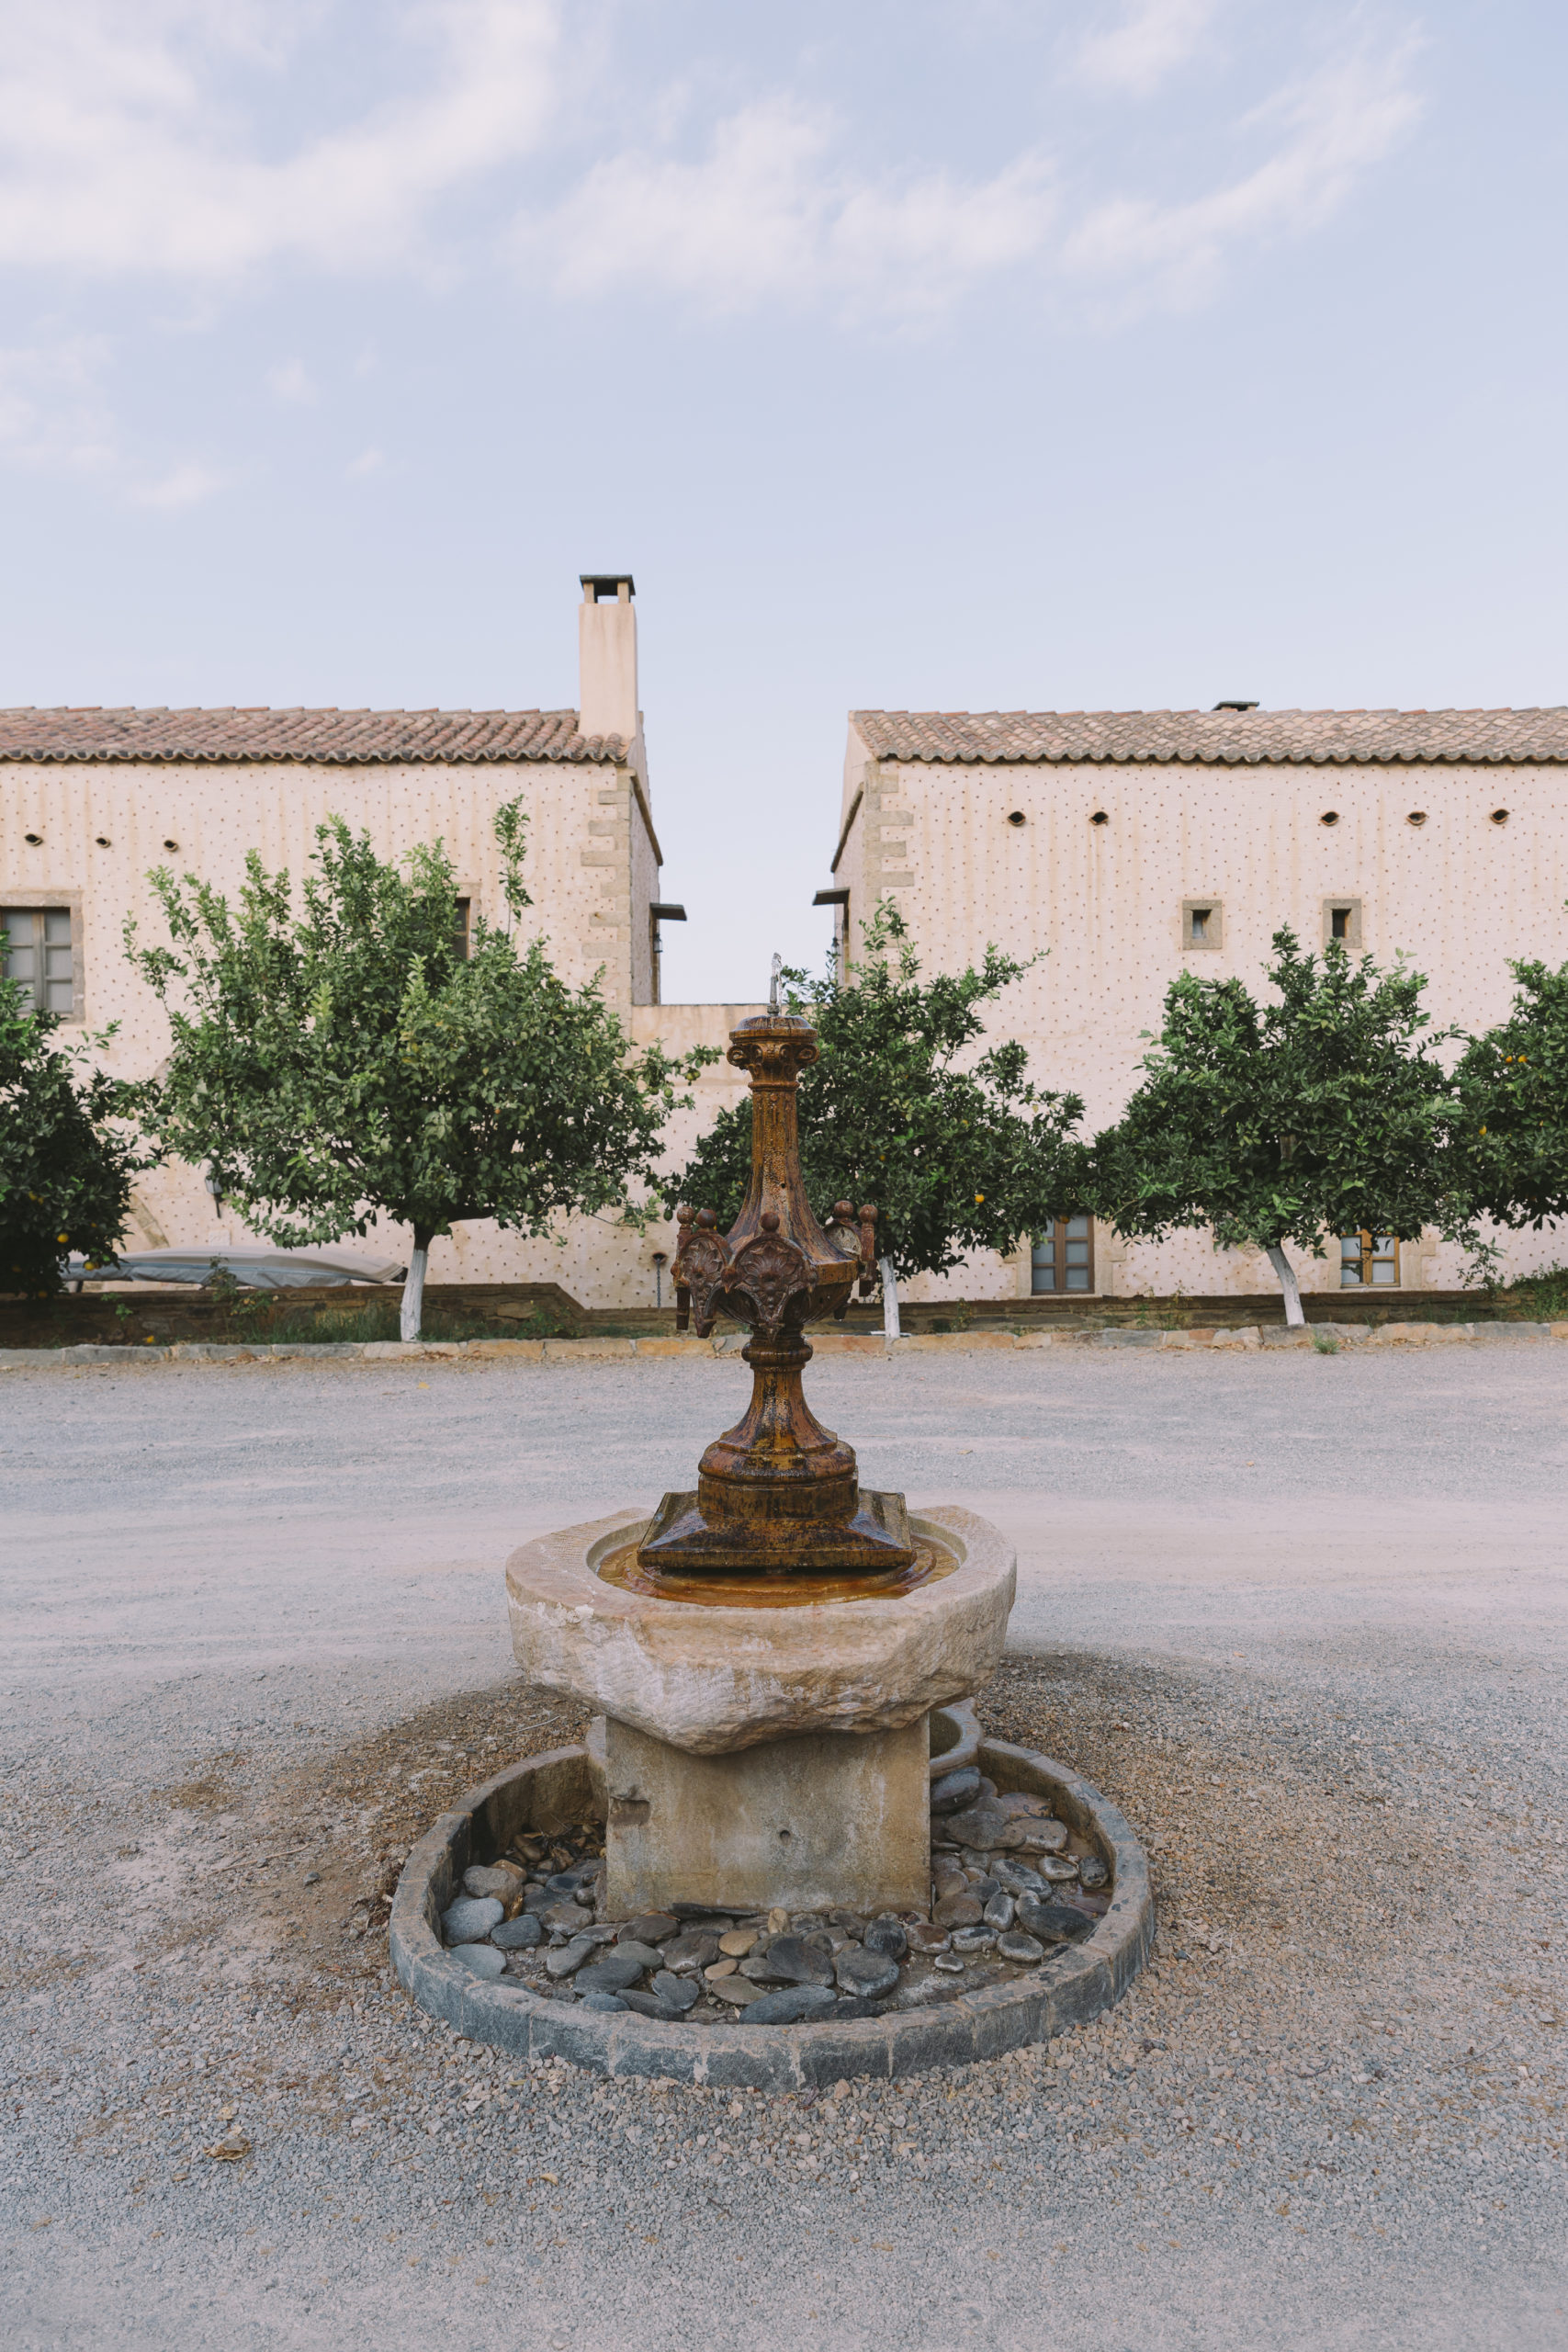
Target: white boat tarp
252 1265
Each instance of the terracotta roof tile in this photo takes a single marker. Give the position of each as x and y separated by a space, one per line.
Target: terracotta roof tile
1228 737
338 737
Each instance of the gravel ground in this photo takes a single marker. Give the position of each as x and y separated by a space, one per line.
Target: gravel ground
1301 1617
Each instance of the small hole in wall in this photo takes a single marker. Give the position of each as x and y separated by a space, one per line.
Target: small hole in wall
1329 817
103 841
1416 816
1100 818
34 840
171 844
1499 817
1017 817
787 1833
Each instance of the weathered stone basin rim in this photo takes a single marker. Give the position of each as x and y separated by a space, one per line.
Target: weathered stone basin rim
715 1680
549 1790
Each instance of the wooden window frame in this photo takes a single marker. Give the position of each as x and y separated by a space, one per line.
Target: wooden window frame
1370 1257
28 899
463 929
1058 1244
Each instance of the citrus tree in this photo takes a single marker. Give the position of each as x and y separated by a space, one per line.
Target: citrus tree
957 1148
69 1151
351 1061
1320 1112
1512 1086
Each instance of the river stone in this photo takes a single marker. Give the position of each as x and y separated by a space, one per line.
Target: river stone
955 1790
567 1916
950 1961
677 1993
649 2004
645 1955
859 2005
957 1911
567 1959
1092 1871
520 1934
985 1829
887 1935
922 1938
998 1910
1056 1869
790 1960
1053 1923
481 1960
1043 1836
613 1974
502 1880
971 1940
1018 1946
793 2005
653 1928
738 1990
738 1944
1021 1802
865 1973
1018 1878
693 1949
602 2002
470 1918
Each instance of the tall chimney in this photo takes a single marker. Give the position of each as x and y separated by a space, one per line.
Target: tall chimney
606 655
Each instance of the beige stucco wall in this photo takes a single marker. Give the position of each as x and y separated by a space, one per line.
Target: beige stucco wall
1101 907
592 871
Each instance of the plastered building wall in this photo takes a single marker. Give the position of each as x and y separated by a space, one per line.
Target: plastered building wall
591 870
1098 906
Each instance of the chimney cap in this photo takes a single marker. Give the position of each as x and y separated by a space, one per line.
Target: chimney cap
598 582
1235 706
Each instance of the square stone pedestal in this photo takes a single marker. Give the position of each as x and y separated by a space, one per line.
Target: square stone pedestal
822 1820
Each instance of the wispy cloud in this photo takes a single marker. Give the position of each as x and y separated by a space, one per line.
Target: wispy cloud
186 485
1329 130
290 382
369 461
122 151
770 210
1149 40
53 410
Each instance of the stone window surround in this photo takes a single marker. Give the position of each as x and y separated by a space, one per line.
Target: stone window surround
26 898
1214 930
1352 937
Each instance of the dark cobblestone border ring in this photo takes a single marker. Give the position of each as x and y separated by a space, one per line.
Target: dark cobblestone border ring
548 1792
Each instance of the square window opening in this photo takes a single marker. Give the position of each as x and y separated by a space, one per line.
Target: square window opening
1202 923
1063 1260
39 955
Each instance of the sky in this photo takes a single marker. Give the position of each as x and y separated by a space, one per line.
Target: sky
950 353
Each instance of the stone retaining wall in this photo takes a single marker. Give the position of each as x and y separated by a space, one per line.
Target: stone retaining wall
1248 1337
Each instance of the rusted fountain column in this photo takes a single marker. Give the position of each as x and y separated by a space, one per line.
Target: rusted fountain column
778 1494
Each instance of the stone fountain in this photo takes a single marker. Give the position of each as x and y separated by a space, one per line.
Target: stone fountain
767 1648
768 1654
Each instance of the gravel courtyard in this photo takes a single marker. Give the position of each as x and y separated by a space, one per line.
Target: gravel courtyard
1301 1617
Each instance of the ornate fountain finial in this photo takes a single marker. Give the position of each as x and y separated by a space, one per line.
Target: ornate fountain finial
773 988
777 1493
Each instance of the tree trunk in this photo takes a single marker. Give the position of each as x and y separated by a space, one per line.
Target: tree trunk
414 1288
1294 1318
889 1302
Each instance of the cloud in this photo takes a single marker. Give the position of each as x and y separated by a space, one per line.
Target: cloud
121 150
1331 129
1153 38
186 485
53 416
369 461
768 213
290 382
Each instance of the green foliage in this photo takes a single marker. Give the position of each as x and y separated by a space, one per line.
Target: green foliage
67 1153
957 1157
1323 1113
348 1063
1512 1086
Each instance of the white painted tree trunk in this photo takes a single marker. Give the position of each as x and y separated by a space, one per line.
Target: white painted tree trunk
1287 1273
889 1302
413 1293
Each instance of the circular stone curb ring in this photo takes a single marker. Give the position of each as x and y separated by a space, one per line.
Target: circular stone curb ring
1072 1986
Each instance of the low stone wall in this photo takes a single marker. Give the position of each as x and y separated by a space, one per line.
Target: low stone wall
1249 1337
